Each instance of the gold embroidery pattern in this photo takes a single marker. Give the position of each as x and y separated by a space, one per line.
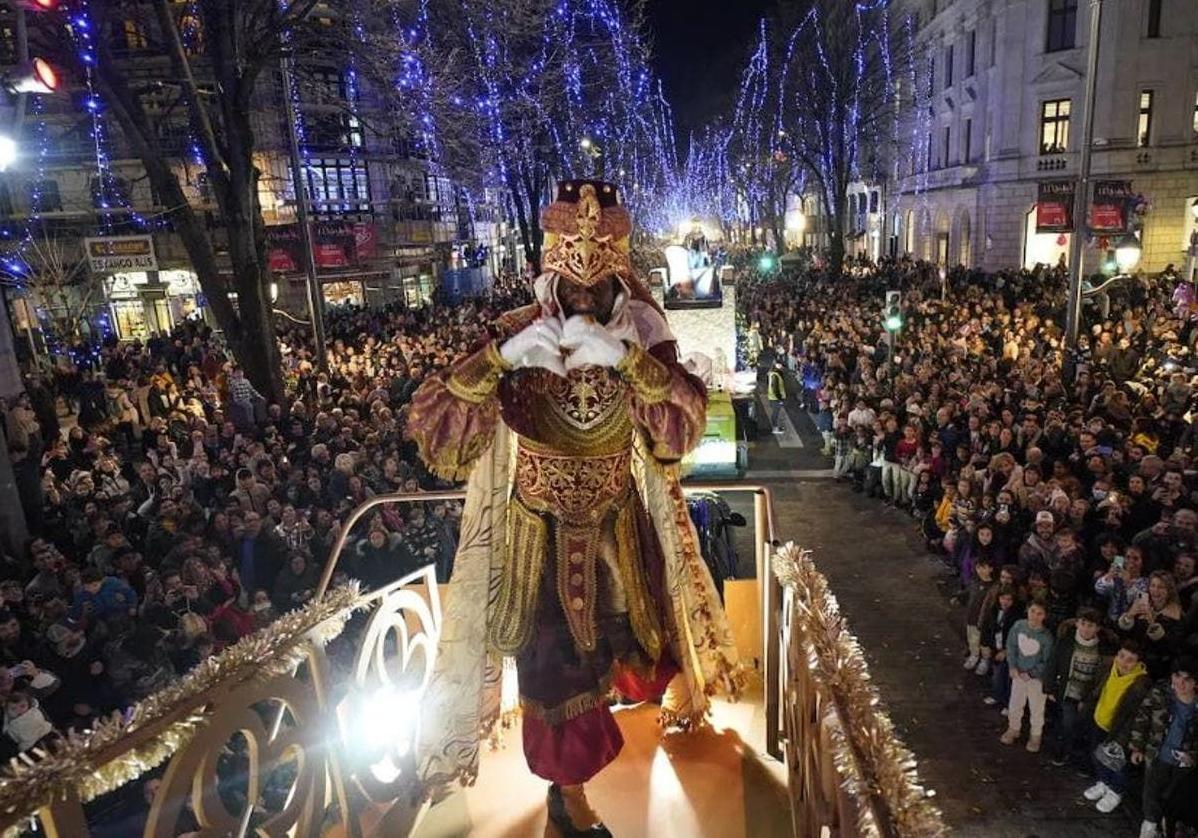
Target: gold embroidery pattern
576 490
649 377
516 603
577 552
572 708
475 379
586 257
586 414
642 611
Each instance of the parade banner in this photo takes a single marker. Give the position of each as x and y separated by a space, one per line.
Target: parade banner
1109 210
1054 206
120 254
335 244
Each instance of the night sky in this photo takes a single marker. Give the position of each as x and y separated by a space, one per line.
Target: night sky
699 47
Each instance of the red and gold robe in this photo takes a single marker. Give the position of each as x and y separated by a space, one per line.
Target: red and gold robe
571 484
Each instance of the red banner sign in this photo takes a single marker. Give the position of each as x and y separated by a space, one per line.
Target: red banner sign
1054 206
1109 211
335 244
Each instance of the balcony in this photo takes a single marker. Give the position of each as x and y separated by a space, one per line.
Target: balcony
324 707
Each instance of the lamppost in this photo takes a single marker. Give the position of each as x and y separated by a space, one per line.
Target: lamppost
1081 198
593 151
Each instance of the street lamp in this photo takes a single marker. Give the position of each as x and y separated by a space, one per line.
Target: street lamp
1127 253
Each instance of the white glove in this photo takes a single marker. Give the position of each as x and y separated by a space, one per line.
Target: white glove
537 345
590 344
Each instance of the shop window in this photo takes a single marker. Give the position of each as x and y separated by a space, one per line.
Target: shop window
1054 126
1062 25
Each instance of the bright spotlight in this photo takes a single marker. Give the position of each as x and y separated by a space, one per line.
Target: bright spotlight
8 152
382 730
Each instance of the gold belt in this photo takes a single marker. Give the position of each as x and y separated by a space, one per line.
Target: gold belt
576 490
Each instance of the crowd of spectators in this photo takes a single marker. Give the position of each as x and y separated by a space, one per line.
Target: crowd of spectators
1063 507
173 510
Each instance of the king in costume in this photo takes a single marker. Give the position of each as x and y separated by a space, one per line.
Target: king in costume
577 557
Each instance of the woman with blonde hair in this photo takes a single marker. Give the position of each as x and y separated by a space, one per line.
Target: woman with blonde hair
1155 620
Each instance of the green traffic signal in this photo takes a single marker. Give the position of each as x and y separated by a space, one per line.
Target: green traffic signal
766 263
894 322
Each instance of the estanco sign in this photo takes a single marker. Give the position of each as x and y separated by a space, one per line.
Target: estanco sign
120 254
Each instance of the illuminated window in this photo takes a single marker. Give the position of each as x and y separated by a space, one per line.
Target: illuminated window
1054 126
134 37
1144 126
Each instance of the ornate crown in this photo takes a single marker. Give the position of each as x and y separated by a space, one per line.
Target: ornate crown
586 233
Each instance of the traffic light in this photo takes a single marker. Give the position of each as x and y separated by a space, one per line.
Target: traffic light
766 263
892 311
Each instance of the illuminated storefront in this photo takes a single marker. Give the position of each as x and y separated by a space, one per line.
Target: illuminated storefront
140 307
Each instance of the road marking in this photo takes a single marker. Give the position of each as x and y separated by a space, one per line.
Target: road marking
791 438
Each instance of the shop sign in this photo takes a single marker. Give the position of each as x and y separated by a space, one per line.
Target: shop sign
1054 206
335 244
1109 211
114 254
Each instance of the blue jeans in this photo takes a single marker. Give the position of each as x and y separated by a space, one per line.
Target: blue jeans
1001 683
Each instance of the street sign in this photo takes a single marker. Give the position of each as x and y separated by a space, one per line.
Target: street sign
120 254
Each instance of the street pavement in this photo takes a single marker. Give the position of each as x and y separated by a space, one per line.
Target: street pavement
894 597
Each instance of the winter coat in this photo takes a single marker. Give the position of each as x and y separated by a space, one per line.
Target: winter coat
1152 723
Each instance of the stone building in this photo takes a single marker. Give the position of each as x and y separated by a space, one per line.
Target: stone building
996 107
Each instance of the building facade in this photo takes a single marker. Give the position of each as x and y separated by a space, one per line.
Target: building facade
995 108
386 222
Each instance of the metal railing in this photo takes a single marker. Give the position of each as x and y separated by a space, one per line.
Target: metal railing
765 541
340 735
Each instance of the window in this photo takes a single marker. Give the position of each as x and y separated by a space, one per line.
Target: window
1154 18
1195 125
927 167
1054 126
947 144
338 185
931 75
132 36
328 83
1144 126
44 196
1062 24
971 49
967 142
948 66
873 201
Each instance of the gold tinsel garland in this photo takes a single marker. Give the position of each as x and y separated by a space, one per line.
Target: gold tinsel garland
29 783
870 759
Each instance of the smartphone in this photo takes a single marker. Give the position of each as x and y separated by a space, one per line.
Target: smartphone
1117 562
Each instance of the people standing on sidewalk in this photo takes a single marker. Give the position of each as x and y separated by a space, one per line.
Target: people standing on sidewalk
1108 714
1164 738
1073 669
1029 646
776 394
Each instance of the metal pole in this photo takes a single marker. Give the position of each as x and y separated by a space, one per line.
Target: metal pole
315 297
1081 198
